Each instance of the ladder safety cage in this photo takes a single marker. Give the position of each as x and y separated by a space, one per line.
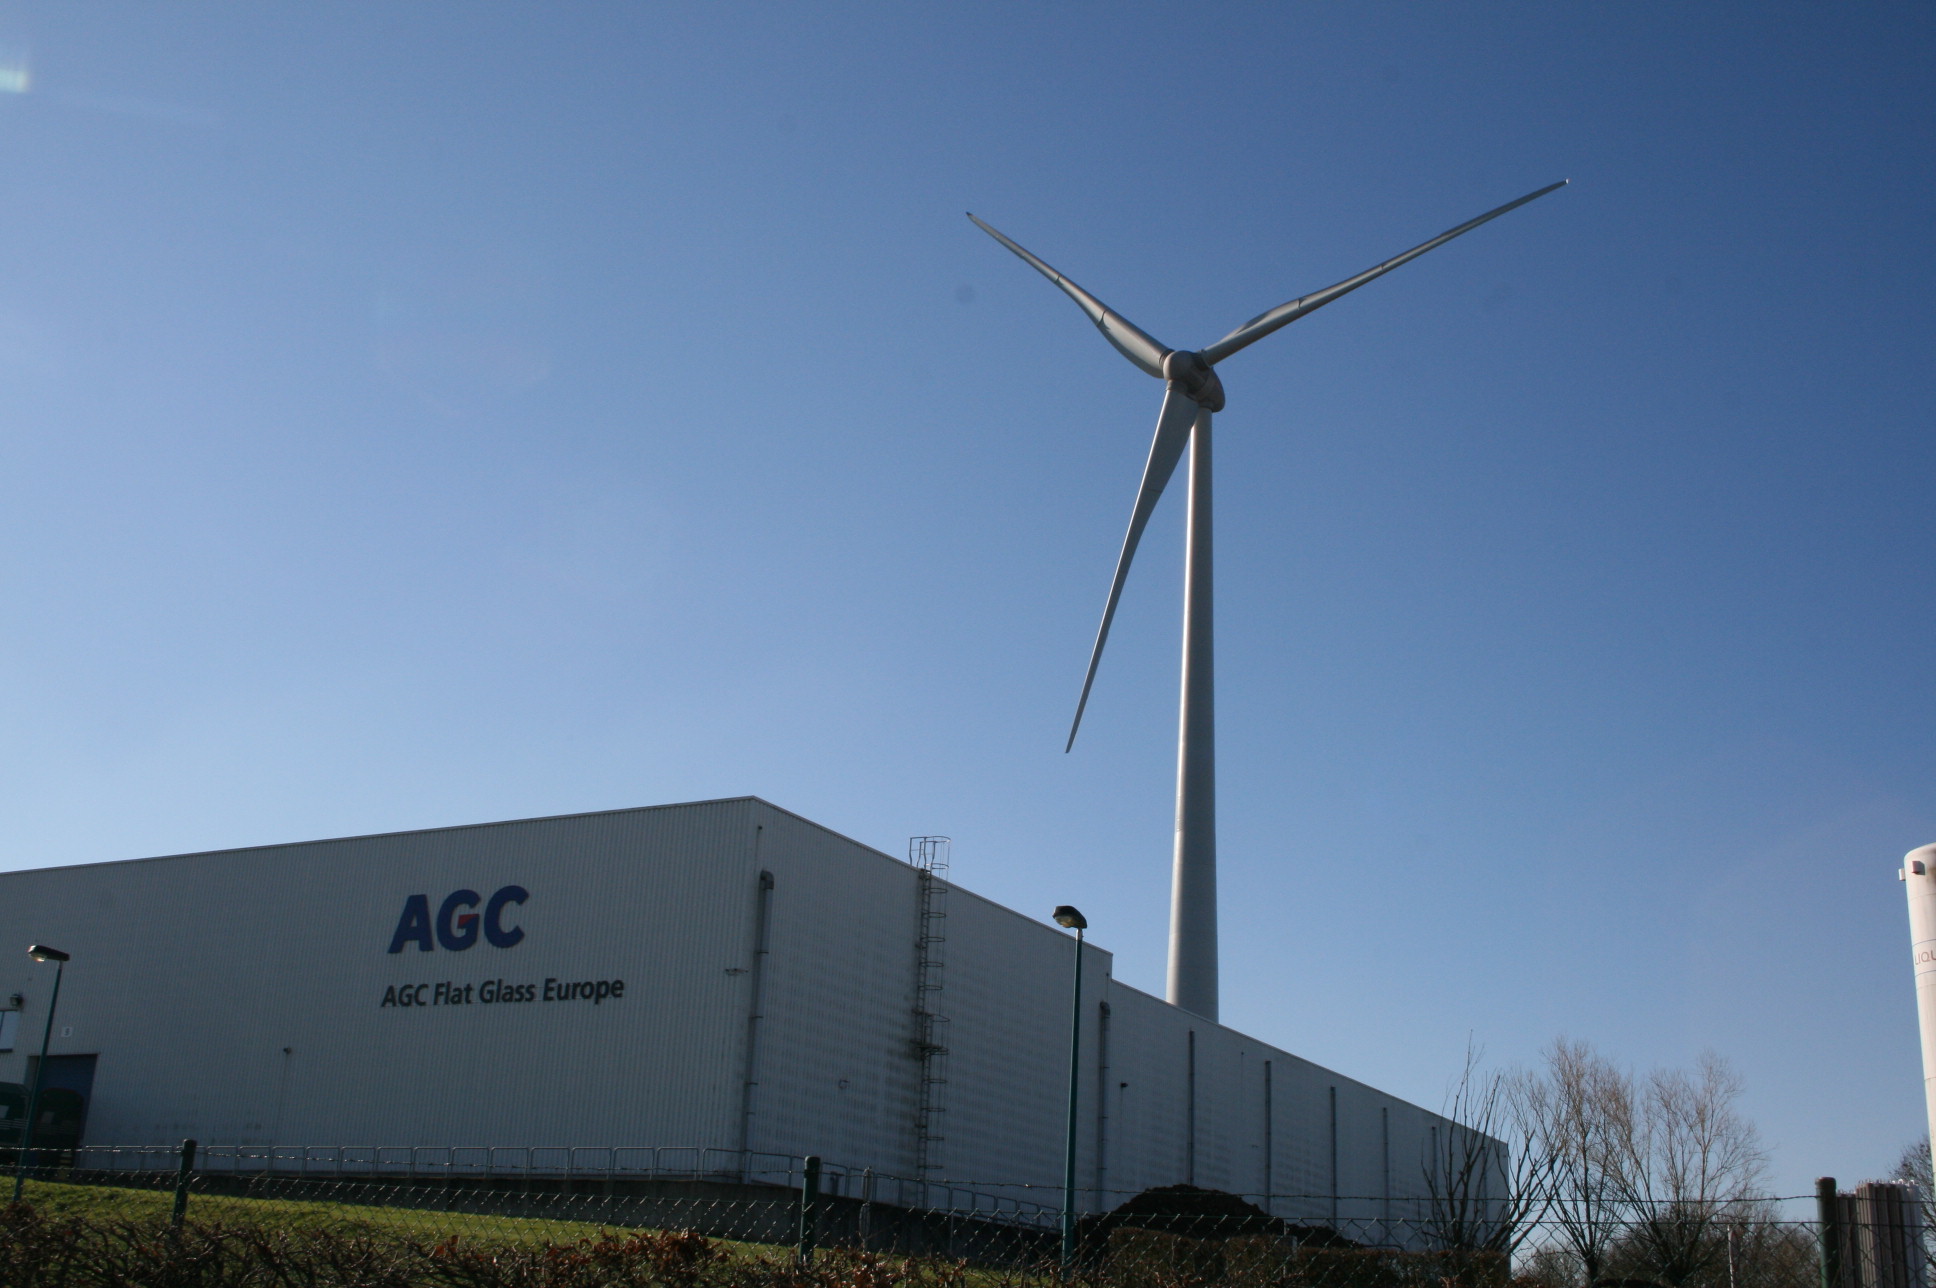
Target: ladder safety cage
929 856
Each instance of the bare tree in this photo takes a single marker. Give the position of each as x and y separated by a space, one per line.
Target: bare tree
1487 1175
1581 1111
1748 1246
1692 1164
1628 1182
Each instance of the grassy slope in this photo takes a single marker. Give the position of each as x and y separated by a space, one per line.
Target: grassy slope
104 1202
429 1226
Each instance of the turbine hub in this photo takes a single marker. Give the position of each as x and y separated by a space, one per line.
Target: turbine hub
1195 378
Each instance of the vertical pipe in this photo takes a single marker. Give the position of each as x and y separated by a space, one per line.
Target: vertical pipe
1268 1144
1193 883
1918 874
1190 1113
756 1006
1069 1144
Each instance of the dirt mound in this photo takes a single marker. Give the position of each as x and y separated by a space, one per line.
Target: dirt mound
1202 1214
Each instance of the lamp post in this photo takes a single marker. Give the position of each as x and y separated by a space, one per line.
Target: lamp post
1069 918
40 953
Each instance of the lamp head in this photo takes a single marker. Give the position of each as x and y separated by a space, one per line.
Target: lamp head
42 953
1069 917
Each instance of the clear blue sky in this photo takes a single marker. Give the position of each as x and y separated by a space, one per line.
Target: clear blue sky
422 414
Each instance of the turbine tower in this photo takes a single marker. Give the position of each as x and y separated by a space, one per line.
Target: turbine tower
1192 394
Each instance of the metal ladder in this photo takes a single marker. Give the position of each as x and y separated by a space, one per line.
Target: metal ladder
928 855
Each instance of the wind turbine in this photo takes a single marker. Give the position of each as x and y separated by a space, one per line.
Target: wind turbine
1192 394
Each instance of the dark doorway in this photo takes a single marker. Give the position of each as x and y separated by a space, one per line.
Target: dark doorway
66 1094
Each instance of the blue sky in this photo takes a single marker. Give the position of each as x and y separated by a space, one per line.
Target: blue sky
422 414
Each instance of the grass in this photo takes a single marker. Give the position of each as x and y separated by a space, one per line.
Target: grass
109 1236
427 1225
105 1236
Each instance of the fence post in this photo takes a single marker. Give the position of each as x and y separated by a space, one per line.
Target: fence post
182 1173
867 1208
1829 1216
809 1206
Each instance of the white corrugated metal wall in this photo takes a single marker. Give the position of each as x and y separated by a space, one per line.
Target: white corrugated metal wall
235 997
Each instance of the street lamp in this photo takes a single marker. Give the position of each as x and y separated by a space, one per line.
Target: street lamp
1070 919
40 953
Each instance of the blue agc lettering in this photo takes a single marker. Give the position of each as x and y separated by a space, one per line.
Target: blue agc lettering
414 926
458 925
457 929
494 927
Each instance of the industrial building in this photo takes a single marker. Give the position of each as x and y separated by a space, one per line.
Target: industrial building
723 975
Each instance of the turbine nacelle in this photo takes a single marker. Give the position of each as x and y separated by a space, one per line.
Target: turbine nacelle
1192 375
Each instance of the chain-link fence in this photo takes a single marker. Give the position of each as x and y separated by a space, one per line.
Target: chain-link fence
371 1218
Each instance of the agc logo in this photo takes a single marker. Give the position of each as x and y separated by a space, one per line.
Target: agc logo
454 927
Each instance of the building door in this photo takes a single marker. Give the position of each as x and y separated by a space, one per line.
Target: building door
64 1094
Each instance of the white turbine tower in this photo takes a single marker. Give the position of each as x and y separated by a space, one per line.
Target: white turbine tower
1193 392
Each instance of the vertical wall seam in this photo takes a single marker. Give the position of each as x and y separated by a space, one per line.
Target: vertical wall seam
1384 1154
1433 1175
1102 1103
1269 1143
1334 1157
1190 1114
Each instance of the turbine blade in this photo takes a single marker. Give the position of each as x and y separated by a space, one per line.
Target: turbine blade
1173 425
1130 340
1265 323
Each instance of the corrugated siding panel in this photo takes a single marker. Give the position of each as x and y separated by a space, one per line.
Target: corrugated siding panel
1149 1122
1008 998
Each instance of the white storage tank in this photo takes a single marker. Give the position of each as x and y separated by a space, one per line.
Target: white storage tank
1919 883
